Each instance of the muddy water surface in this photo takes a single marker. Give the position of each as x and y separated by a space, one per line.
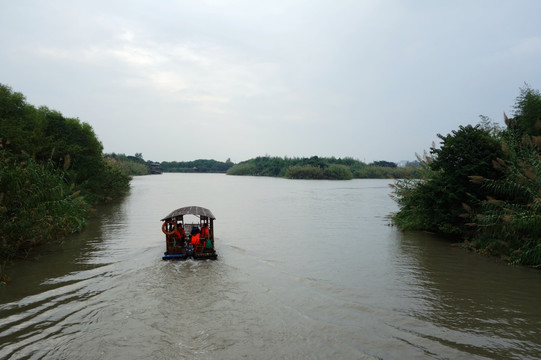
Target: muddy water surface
306 269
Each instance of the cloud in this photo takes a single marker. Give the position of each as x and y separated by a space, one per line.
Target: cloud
367 79
528 47
138 57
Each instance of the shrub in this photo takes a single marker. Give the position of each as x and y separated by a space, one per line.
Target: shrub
337 172
36 205
304 172
242 169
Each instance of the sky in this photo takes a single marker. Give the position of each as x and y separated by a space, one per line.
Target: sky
207 79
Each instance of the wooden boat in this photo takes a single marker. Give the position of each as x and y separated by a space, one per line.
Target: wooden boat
189 240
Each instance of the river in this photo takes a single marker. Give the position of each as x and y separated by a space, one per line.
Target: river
306 270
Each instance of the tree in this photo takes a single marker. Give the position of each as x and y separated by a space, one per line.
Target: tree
73 146
527 114
436 202
466 152
21 125
383 163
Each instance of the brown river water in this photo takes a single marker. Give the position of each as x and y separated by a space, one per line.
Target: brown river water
306 270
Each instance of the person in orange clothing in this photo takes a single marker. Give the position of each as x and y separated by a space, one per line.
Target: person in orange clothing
180 231
205 231
195 239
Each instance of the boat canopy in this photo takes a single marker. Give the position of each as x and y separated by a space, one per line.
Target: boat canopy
190 210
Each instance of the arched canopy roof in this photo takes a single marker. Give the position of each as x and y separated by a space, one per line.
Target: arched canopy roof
190 210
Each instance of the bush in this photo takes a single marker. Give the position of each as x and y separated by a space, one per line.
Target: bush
36 205
509 220
337 172
304 172
242 169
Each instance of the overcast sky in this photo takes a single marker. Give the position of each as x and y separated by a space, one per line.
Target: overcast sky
186 80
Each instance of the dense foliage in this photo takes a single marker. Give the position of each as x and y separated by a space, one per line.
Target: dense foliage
198 166
509 220
36 205
527 116
52 171
482 185
331 172
318 168
133 165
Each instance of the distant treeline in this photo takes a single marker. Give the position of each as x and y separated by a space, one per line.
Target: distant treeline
320 168
197 166
483 186
291 168
52 171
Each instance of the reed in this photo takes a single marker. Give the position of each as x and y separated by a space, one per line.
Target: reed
511 215
36 205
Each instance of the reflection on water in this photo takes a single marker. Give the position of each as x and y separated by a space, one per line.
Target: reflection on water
475 302
305 269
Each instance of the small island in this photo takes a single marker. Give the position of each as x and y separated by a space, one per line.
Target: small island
322 168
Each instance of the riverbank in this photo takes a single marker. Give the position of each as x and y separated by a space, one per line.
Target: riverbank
53 171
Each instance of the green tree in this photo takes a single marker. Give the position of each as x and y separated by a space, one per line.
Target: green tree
21 125
383 163
465 152
436 202
527 112
73 146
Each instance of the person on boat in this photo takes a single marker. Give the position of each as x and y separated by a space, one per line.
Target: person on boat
180 234
195 239
205 231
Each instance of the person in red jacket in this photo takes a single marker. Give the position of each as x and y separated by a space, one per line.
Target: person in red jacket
205 231
195 239
180 232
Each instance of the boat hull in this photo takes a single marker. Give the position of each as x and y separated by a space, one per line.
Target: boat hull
206 255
